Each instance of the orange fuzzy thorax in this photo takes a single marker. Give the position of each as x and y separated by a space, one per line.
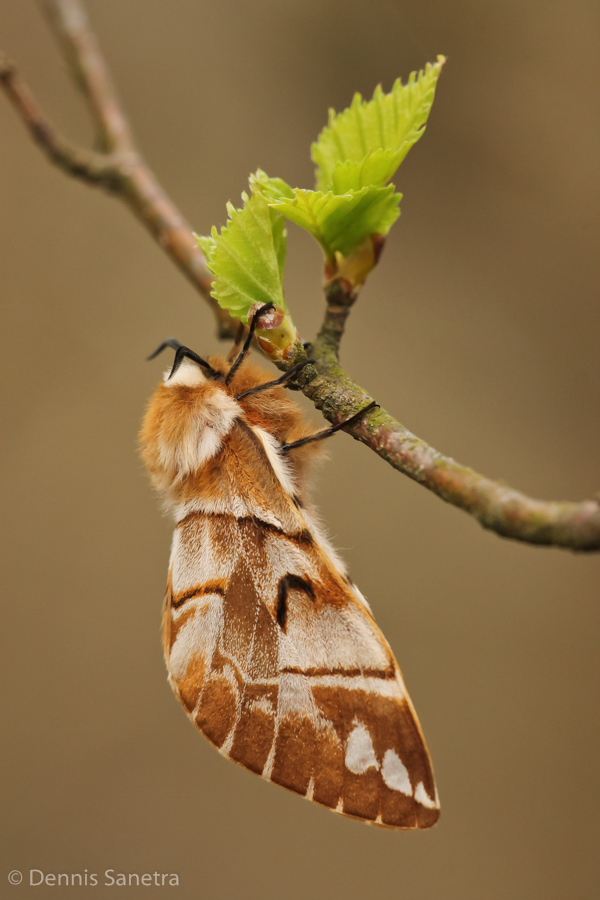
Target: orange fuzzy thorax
189 416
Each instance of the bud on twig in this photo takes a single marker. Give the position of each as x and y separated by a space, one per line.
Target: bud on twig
276 333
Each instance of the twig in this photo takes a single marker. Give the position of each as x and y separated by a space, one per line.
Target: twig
90 72
120 169
339 302
95 168
574 526
496 506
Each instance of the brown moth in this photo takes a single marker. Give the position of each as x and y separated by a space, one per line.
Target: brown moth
272 650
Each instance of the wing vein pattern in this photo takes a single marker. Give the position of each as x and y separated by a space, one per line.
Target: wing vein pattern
318 705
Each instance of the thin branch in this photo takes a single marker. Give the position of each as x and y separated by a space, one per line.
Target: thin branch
121 170
339 302
95 168
510 513
90 72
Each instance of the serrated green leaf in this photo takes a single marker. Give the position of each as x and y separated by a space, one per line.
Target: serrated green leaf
279 243
340 223
375 169
247 258
272 188
390 122
207 245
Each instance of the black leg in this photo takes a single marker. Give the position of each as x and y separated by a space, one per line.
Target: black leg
180 352
265 308
173 343
281 380
185 352
329 431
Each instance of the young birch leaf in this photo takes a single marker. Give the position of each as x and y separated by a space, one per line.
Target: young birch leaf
274 189
271 188
390 122
279 242
341 223
375 169
247 259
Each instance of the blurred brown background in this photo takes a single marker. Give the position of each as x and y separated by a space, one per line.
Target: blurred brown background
480 330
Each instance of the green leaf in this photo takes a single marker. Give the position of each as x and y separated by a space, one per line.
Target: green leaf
247 258
272 188
389 122
340 223
375 169
279 244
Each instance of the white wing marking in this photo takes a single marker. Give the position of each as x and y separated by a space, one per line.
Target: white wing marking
423 798
360 753
395 773
330 637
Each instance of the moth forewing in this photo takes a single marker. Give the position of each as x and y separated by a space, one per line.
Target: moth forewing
272 651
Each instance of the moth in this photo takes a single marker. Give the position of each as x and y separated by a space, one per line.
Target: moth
272 650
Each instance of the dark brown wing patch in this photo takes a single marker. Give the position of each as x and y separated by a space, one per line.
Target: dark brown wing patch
289 583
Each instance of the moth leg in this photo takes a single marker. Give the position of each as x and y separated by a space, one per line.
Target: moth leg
281 380
329 431
237 363
180 353
173 343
